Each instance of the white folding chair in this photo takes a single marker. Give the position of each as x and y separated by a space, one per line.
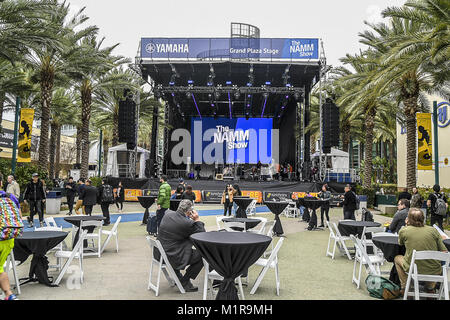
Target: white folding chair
292 210
50 222
331 237
113 233
413 275
442 233
218 221
261 228
11 265
230 225
341 242
76 253
368 242
60 246
210 276
268 231
371 263
95 236
272 262
251 209
163 265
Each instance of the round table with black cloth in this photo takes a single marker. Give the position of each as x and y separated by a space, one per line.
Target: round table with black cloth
174 203
313 204
249 223
146 202
276 208
447 244
37 243
230 254
390 247
242 203
346 228
76 220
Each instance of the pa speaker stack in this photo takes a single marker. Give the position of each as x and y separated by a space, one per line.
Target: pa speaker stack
127 121
330 126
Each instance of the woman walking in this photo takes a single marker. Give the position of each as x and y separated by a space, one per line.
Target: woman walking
119 197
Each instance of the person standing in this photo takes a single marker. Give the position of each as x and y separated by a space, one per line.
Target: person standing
163 200
35 196
349 203
189 194
89 196
71 191
437 202
227 199
325 208
105 198
416 199
182 184
80 188
13 187
6 247
198 168
119 197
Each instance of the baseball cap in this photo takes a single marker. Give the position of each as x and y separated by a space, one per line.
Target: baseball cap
35 175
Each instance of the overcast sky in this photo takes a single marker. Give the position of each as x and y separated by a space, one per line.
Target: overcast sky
336 22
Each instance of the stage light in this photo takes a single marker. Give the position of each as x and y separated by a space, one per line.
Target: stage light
237 94
228 83
190 81
268 83
217 95
287 97
209 84
171 83
288 85
173 94
249 84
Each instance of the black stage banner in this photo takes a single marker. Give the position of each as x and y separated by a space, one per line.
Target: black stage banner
277 195
212 196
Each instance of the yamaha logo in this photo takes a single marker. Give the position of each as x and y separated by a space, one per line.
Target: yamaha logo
150 48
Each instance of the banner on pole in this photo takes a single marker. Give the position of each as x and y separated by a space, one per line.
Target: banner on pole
424 142
24 142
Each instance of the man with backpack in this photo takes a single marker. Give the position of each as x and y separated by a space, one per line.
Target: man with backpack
437 203
106 197
35 197
6 238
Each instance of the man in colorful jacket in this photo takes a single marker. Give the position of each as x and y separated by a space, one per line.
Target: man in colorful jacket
163 200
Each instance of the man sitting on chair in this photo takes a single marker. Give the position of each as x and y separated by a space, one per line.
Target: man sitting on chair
174 232
417 236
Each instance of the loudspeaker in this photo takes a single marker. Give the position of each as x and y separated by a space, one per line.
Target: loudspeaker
330 126
127 121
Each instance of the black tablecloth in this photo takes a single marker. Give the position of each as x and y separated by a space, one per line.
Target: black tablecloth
313 204
276 208
174 203
390 248
346 228
242 203
249 223
146 202
230 254
447 244
37 243
76 220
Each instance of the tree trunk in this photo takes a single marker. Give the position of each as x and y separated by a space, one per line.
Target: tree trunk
58 152
78 143
105 154
370 124
115 137
46 100
391 161
346 138
2 102
51 167
411 151
86 100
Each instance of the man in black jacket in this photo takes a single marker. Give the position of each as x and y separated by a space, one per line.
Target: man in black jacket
71 191
400 216
404 195
105 198
349 203
89 196
174 232
35 196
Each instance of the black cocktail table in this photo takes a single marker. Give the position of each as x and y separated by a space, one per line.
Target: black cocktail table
76 221
348 227
249 223
277 208
146 202
174 203
313 204
37 243
242 203
390 247
230 254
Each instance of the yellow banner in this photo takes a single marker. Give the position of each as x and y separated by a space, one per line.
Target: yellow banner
424 142
24 142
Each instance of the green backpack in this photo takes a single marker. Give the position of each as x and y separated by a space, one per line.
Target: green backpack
382 288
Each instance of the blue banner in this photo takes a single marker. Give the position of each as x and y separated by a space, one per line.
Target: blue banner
235 140
231 48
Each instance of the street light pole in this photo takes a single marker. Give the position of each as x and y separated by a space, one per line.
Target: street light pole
436 143
16 132
100 154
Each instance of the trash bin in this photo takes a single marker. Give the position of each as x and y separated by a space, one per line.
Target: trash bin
53 202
